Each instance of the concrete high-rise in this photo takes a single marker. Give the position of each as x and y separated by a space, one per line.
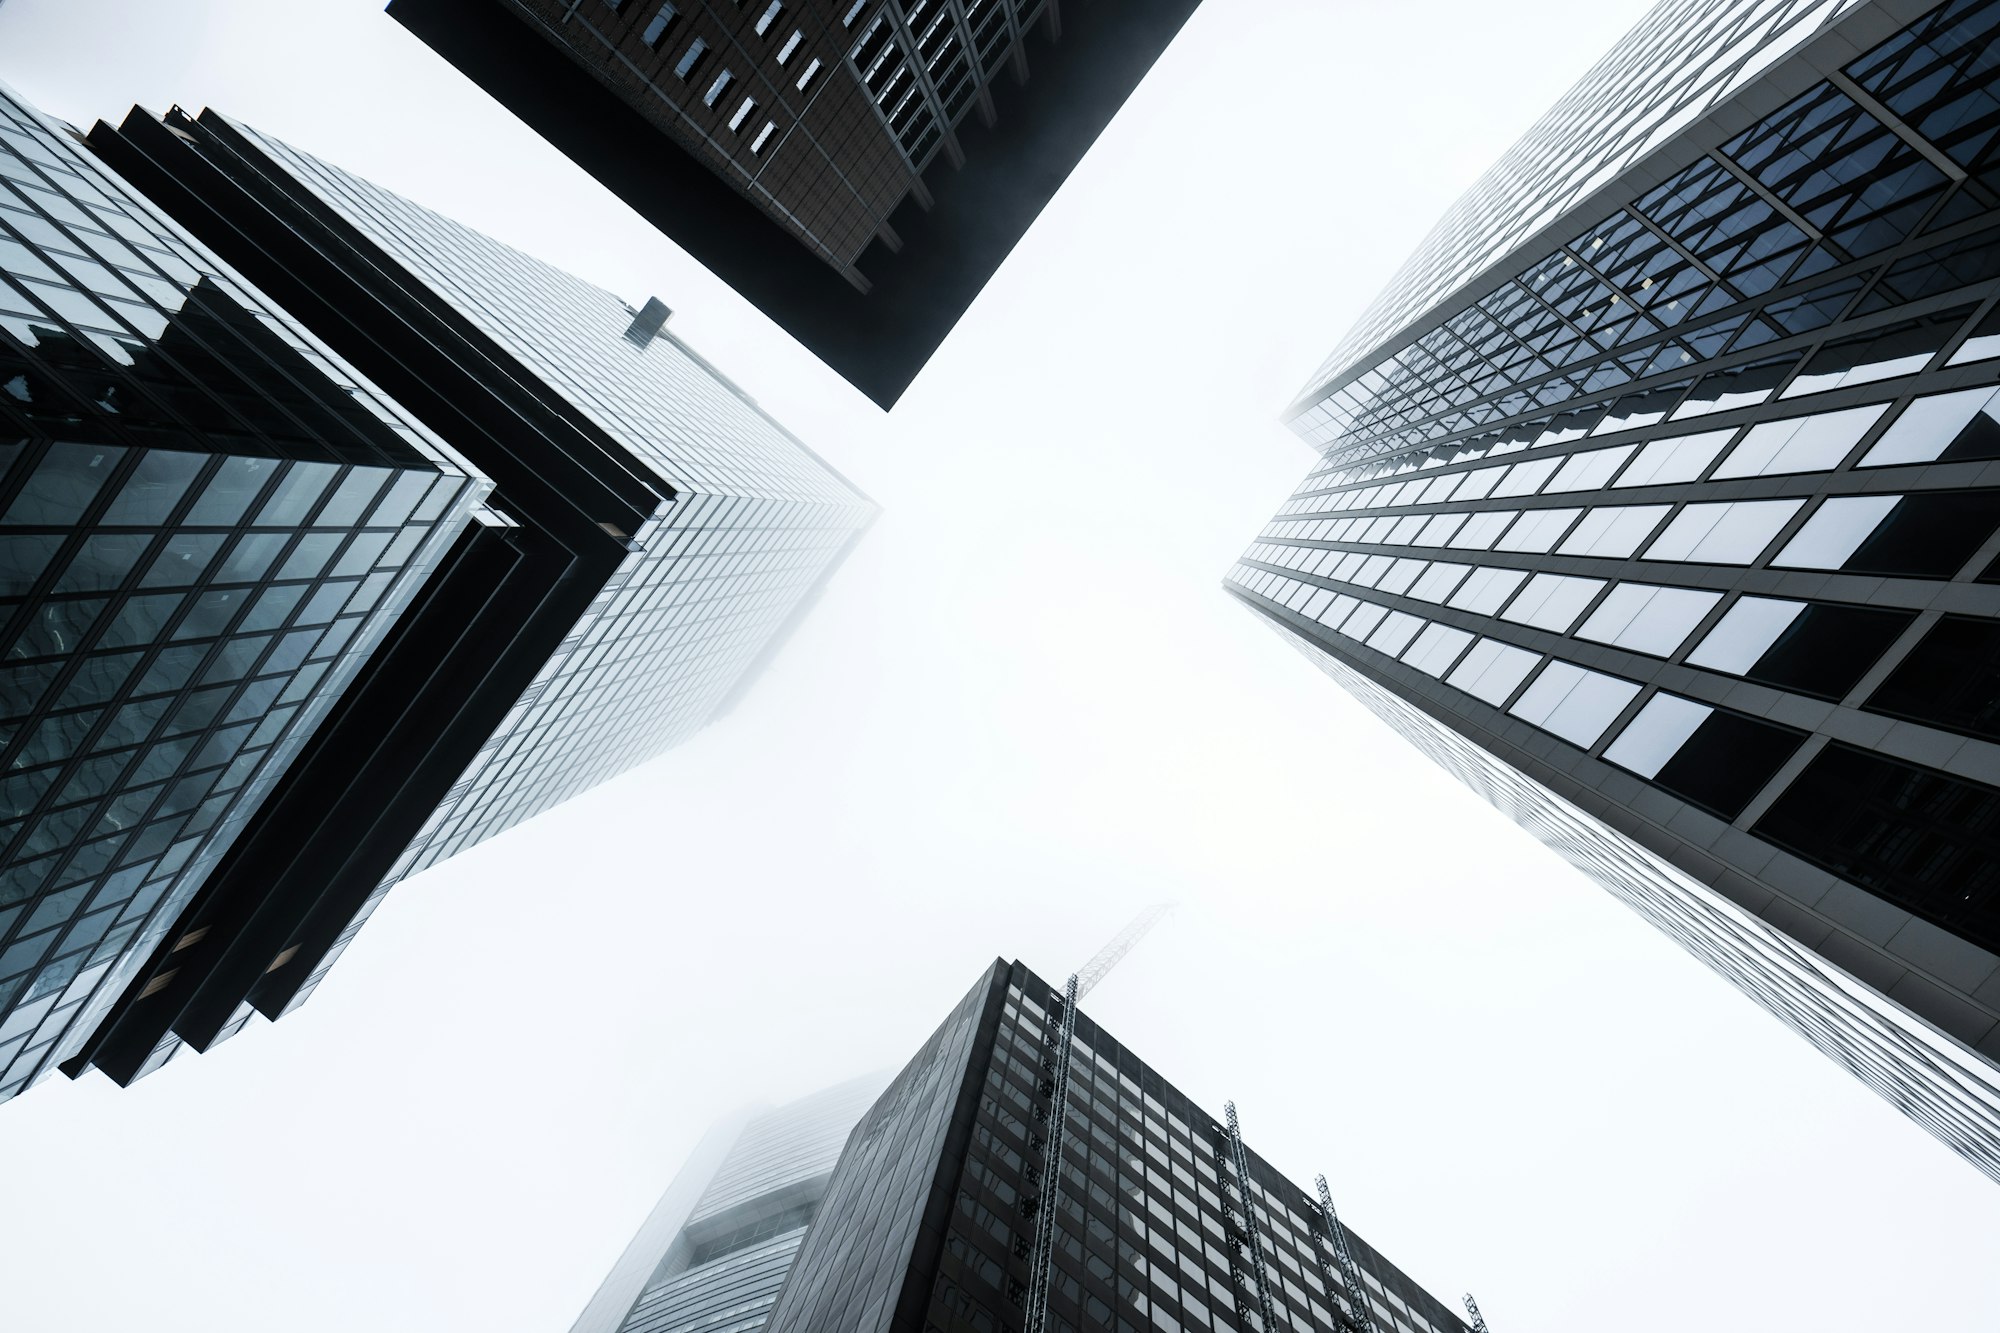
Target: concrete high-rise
1659 499
856 168
319 581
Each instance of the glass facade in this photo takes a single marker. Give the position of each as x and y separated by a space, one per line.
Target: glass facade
207 522
1684 515
716 1250
650 541
756 525
929 1221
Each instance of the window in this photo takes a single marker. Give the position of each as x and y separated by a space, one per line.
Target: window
691 59
1552 601
1911 835
1436 649
718 88
1492 670
1677 459
1573 703
806 77
791 45
1951 679
1486 589
1527 478
743 113
1538 530
1722 534
662 20
763 137
1616 530
1802 444
1836 531
1816 648
769 16
1941 428
853 13
1648 618
1590 471
1709 757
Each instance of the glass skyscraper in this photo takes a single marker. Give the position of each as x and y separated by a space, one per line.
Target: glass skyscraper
717 1247
1659 499
645 539
209 522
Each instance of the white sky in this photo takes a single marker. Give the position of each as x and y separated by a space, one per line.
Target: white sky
1024 710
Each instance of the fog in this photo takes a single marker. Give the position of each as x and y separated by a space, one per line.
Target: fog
1024 710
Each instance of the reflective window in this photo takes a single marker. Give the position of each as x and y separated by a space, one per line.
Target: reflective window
1486 590
1573 703
1941 427
1492 670
1588 471
1537 530
1436 649
1648 618
1722 534
1552 601
1677 459
1801 444
1835 531
1614 530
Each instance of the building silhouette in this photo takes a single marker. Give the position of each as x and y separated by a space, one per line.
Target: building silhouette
857 169
1020 1121
1659 499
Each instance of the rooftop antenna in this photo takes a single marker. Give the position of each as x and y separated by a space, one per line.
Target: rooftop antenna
1472 1308
1121 944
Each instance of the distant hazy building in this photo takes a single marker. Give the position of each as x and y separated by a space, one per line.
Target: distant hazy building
790 145
1659 499
1161 1219
650 540
717 1247
209 522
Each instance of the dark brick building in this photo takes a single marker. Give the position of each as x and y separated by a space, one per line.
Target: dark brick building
826 118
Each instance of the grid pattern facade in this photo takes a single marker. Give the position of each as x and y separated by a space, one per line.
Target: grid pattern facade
1681 60
1694 521
1152 1221
206 522
825 113
756 525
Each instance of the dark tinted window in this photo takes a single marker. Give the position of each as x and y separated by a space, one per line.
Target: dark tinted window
1951 679
1914 836
1727 761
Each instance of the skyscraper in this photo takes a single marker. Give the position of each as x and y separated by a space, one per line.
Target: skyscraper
1025 1171
791 146
210 523
1657 498
651 539
717 1246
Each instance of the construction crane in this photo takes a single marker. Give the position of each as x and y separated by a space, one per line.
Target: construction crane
1121 944
1472 1308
